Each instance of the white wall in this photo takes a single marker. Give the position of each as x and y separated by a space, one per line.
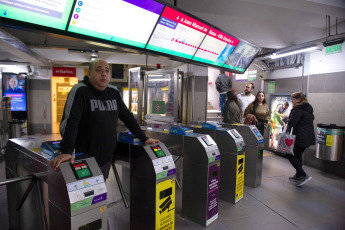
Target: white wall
213 95
331 63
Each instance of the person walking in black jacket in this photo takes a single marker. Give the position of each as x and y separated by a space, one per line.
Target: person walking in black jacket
90 117
301 120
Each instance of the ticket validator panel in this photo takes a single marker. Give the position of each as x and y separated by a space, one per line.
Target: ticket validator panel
231 147
254 153
200 190
87 195
201 169
152 187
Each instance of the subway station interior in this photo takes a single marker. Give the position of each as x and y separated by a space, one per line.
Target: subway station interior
164 59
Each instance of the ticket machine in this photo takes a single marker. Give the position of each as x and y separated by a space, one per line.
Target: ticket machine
152 183
254 153
201 171
231 147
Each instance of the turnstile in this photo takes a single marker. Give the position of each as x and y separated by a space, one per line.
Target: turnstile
254 153
231 147
75 195
152 183
201 169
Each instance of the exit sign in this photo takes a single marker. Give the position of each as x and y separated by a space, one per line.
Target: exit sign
334 49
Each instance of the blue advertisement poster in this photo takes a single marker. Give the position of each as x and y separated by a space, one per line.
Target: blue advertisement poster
14 86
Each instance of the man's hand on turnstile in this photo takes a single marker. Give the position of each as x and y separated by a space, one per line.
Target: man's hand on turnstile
56 161
152 141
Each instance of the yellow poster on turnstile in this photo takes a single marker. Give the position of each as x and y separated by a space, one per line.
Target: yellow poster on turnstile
165 205
239 177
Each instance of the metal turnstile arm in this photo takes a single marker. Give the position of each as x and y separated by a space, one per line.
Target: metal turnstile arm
33 179
119 184
175 160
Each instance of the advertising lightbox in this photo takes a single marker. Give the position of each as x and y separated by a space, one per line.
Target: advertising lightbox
215 48
128 22
48 13
177 34
14 86
242 57
280 108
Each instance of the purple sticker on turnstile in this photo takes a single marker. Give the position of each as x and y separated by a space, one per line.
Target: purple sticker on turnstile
217 157
171 172
213 191
99 198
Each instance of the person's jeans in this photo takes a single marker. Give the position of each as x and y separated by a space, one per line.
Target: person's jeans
222 98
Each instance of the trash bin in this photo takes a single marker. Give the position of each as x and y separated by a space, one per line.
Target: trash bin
329 144
15 129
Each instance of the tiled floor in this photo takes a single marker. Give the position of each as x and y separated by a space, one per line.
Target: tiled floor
275 204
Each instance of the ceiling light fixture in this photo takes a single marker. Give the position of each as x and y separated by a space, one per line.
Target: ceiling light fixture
333 42
159 79
301 50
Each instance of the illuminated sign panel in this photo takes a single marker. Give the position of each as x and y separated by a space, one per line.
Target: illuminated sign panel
43 12
177 34
128 22
215 48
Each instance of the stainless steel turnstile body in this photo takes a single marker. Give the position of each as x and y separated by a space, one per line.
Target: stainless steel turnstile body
231 147
152 185
201 169
254 153
72 201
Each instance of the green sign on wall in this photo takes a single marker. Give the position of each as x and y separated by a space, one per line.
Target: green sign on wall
271 87
334 49
158 107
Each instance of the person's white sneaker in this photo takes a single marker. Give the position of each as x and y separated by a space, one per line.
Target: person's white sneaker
302 180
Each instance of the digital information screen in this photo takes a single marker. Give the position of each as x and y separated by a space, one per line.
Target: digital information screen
235 133
128 22
177 34
242 56
206 140
41 12
14 86
158 151
81 170
215 48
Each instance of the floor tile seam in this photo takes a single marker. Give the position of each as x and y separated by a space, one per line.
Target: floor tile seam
274 211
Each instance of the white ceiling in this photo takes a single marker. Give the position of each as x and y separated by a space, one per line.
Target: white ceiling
266 23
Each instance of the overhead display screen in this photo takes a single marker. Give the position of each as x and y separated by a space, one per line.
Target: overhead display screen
128 22
177 34
215 48
242 56
41 12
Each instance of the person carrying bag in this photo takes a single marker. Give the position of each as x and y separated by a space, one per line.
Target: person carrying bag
301 120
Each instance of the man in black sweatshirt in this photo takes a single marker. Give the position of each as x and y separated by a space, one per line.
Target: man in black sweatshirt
90 117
